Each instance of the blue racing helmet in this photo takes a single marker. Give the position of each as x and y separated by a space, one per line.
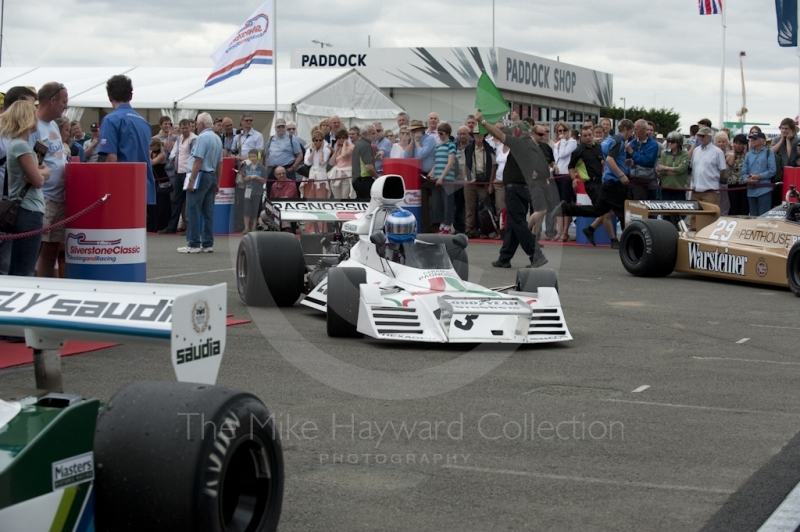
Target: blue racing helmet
401 226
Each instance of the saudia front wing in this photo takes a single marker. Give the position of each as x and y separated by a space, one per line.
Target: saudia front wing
190 320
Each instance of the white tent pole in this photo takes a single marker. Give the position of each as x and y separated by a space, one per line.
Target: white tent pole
275 56
722 70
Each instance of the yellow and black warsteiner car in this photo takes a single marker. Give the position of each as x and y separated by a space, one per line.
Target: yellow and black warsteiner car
759 250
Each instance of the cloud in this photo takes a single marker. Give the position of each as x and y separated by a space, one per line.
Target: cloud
661 53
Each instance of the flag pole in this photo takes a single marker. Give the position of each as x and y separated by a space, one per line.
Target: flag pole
722 69
275 57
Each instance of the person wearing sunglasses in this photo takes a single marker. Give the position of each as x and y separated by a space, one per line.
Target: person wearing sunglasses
248 139
382 145
526 171
316 186
400 142
291 128
564 148
284 150
53 100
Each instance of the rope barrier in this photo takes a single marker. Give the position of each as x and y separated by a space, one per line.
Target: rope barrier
62 223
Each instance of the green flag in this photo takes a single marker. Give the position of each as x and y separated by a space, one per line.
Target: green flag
489 101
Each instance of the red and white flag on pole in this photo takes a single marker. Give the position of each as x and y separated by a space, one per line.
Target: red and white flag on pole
251 43
710 7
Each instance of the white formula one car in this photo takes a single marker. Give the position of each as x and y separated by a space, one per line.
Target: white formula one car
370 284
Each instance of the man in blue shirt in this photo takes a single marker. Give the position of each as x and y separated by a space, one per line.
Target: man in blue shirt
423 147
614 190
202 186
284 150
53 100
757 171
643 152
382 147
125 135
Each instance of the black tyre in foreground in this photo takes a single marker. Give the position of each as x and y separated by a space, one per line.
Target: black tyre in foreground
343 295
192 457
270 269
649 248
531 279
458 255
793 269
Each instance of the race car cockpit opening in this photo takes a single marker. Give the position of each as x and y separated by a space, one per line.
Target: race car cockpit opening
426 256
418 254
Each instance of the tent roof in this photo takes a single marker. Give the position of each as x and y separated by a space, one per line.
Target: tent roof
76 79
321 92
254 89
153 88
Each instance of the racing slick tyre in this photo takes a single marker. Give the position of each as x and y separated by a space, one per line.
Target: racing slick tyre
531 279
343 296
270 269
793 269
649 248
183 456
458 255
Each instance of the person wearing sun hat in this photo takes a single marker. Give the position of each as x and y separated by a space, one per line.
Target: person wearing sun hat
708 169
422 147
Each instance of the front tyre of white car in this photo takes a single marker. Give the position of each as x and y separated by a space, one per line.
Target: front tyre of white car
531 279
343 296
270 269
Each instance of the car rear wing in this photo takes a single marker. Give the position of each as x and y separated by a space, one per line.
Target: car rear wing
48 312
706 213
310 210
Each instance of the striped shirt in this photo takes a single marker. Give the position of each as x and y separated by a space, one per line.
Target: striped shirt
441 155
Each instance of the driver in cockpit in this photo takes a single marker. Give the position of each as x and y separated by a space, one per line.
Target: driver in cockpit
400 228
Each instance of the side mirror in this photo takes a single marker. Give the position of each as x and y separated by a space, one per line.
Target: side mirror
378 238
461 240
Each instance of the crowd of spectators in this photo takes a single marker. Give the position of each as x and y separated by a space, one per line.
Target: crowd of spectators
464 171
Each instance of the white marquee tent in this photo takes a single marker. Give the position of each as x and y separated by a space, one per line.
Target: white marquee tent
305 96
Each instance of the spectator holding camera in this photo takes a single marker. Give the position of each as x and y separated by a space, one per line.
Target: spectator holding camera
26 176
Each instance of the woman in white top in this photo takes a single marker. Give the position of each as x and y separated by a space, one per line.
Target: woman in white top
316 185
500 157
563 153
402 140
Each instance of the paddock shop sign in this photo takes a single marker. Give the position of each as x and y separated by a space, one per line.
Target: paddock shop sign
459 68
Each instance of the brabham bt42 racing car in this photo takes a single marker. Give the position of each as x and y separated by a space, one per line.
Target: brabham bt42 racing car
759 250
382 280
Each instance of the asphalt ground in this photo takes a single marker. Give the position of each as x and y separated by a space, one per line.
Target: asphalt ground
672 409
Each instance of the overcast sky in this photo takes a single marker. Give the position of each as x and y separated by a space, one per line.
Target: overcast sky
662 54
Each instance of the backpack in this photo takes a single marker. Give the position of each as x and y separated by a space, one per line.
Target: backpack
487 219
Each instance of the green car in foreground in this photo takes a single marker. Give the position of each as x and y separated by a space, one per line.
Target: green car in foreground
186 456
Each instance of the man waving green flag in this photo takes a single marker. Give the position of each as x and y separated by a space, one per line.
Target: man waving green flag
489 101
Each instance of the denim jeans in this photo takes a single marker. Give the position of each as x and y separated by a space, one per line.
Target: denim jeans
178 197
443 203
759 204
5 255
200 205
25 251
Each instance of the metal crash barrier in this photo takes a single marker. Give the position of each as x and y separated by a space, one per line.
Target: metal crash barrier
48 312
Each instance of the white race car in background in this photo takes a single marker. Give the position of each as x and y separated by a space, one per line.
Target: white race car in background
416 291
